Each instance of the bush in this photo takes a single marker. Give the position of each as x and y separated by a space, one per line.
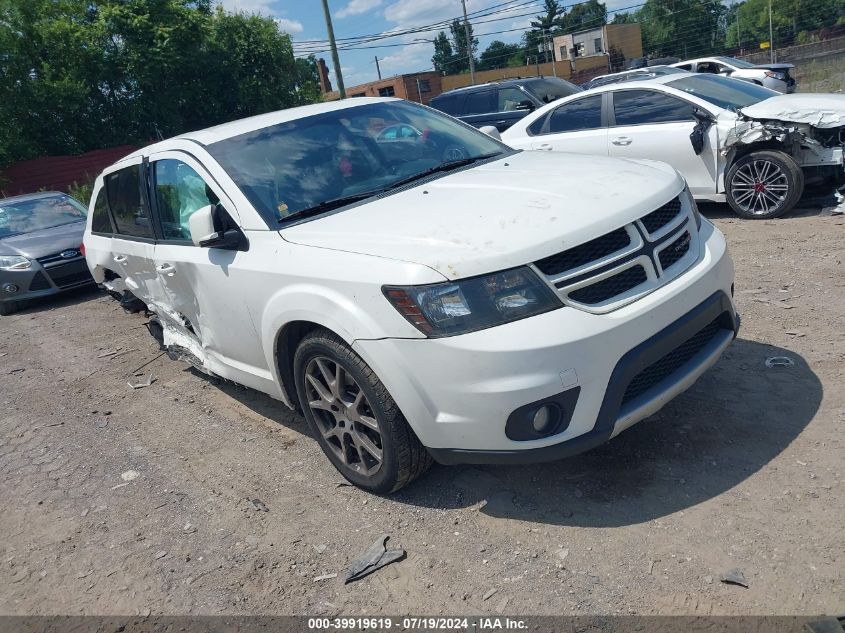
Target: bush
82 192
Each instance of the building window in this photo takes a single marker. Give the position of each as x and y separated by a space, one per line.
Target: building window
359 94
424 85
563 53
597 43
580 49
387 91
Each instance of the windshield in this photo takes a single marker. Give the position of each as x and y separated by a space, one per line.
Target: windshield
730 94
296 166
736 63
550 89
25 216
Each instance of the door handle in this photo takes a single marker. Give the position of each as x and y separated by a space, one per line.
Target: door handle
545 146
166 269
622 140
119 258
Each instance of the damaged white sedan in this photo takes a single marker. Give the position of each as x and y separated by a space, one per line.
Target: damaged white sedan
732 140
435 295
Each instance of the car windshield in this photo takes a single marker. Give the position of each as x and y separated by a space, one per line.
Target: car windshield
311 163
736 63
730 94
551 89
25 216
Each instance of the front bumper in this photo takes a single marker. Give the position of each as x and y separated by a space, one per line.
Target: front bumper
457 393
41 280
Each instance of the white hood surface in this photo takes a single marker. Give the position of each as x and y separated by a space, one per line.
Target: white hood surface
818 110
507 213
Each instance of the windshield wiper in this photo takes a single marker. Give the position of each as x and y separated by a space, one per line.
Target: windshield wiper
449 165
329 205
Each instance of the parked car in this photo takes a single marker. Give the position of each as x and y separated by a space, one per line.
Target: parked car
502 306
502 103
40 240
628 75
774 76
731 140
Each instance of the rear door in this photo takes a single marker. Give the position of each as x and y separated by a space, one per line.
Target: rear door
576 126
204 299
479 107
655 125
133 242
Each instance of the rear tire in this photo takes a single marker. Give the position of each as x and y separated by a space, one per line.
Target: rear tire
9 307
355 420
763 185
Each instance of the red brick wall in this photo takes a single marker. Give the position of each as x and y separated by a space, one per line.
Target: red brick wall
58 172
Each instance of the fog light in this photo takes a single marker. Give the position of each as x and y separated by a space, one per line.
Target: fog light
10 288
545 418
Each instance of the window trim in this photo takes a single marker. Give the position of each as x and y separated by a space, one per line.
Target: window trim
611 112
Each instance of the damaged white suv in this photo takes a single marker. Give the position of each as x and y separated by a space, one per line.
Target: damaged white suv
437 296
731 140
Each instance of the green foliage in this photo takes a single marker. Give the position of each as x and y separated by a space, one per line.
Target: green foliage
498 55
81 74
450 54
82 191
749 23
587 15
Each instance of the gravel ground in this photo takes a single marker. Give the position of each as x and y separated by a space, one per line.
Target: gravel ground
122 501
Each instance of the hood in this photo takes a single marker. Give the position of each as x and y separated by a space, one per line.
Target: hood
507 213
775 66
819 110
45 241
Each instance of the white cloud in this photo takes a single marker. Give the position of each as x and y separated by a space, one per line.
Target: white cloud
289 26
357 7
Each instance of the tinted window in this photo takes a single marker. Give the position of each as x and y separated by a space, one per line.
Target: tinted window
510 98
446 103
100 222
180 192
480 102
550 88
24 216
124 191
722 91
635 107
386 92
582 114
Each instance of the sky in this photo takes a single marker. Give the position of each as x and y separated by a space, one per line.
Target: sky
304 21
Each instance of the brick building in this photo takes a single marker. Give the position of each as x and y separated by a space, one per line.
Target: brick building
419 87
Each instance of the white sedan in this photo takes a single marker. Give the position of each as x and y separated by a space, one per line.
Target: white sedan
774 76
732 140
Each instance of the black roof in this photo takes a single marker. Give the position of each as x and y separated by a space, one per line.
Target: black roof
499 82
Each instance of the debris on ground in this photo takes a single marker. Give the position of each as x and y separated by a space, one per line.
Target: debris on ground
320 548
779 361
258 504
562 553
734 577
130 475
140 384
111 352
325 577
376 557
161 554
489 594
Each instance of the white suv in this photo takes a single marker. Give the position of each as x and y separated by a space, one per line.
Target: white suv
440 296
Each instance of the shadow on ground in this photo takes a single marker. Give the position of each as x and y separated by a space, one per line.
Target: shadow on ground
737 418
811 205
63 300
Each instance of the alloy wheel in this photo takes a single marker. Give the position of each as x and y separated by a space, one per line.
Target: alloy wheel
759 187
343 415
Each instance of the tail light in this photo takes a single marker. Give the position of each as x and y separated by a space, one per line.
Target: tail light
82 249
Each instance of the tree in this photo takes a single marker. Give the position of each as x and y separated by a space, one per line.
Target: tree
459 44
498 55
552 20
586 15
444 57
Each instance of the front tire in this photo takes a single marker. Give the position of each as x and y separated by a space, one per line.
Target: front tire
9 307
355 420
764 185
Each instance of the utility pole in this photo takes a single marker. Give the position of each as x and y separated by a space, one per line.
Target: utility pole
469 43
335 59
771 36
378 70
738 34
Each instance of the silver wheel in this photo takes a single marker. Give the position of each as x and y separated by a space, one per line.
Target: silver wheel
343 415
759 187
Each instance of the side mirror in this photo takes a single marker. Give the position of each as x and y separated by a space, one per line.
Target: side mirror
209 229
491 131
702 116
525 105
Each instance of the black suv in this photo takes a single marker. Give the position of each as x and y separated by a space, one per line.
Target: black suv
502 103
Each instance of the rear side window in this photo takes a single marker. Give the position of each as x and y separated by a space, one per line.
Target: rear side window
446 103
481 102
124 191
583 114
100 222
637 107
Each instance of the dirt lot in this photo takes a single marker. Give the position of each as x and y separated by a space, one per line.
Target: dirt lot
744 470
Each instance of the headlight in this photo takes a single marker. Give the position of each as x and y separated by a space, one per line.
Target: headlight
695 212
775 75
451 308
14 262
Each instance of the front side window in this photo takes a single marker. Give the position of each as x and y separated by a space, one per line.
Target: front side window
180 192
637 107
582 114
100 222
510 98
318 162
123 188
35 214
